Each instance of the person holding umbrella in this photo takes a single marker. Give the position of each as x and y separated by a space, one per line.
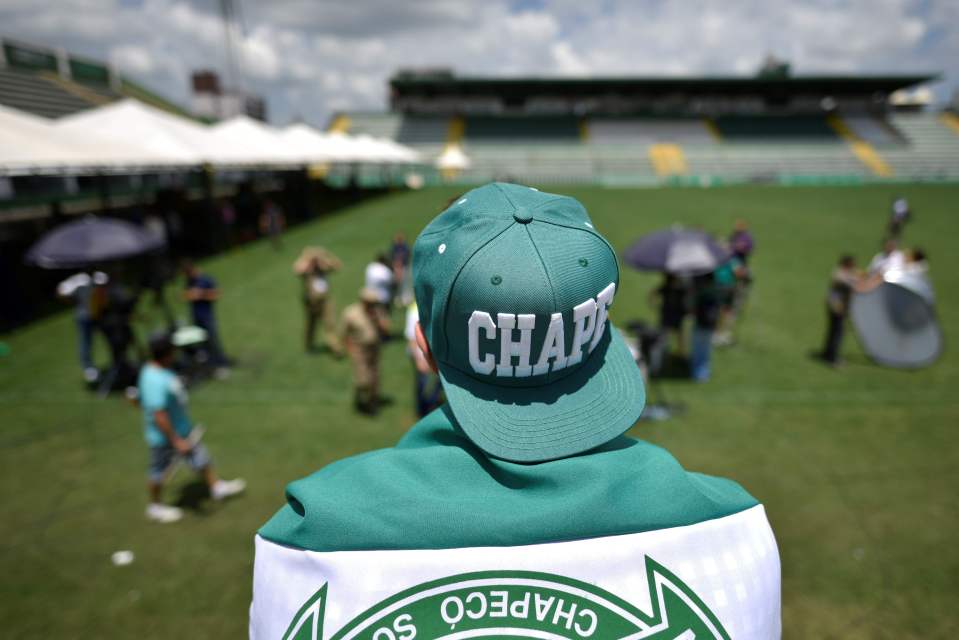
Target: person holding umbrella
86 244
693 254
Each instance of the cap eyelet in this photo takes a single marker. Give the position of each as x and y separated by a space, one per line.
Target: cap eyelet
495 280
583 262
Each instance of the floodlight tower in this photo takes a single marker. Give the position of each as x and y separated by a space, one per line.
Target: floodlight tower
231 12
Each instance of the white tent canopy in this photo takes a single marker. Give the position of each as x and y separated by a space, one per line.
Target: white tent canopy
129 134
158 133
306 142
248 141
30 144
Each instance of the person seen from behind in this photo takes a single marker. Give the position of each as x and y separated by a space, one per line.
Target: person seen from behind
519 508
363 326
706 307
400 260
315 266
741 241
727 279
88 293
899 215
917 262
169 432
379 279
846 280
889 259
202 293
272 222
672 295
427 390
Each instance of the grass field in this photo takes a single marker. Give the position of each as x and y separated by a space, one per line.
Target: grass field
858 468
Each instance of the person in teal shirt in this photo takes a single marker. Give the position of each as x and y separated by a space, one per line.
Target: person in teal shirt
168 431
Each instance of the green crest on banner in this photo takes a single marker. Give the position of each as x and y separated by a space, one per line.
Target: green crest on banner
520 604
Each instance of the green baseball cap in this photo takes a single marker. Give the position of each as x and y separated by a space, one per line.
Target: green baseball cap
513 288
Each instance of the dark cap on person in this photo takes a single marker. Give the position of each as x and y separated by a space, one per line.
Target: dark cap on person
160 344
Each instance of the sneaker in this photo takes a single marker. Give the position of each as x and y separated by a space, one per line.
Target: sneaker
225 488
163 513
90 374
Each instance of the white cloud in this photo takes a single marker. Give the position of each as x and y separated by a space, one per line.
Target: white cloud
312 57
133 59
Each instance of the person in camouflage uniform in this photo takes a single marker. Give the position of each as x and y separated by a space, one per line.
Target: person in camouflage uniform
314 266
363 328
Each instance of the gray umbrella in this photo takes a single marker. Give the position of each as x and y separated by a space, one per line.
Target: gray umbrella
679 251
91 241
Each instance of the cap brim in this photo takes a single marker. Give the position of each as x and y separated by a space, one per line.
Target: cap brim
582 411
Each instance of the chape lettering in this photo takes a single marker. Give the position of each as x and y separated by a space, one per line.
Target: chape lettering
589 324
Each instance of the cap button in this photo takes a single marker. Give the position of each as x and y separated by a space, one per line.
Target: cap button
522 215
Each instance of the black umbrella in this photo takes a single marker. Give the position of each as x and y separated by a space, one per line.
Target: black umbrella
91 241
679 251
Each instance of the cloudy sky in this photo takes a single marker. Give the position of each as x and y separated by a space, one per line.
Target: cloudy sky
313 57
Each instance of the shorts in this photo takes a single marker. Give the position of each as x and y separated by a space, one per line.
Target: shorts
162 457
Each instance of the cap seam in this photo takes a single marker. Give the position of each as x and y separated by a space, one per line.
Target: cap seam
459 272
506 195
596 234
542 263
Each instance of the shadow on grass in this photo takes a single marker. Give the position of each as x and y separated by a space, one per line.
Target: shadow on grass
195 496
856 360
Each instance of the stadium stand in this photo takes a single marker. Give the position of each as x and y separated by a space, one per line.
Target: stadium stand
932 150
51 84
378 125
647 131
875 131
774 129
422 130
37 94
521 129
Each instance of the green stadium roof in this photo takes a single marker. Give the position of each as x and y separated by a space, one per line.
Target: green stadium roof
441 82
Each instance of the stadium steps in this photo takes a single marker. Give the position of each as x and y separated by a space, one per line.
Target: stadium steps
455 131
88 94
863 150
933 149
378 125
35 94
557 163
762 162
429 131
951 121
341 123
